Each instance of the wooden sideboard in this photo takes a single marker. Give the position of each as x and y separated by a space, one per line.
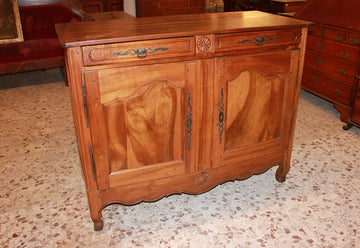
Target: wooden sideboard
332 68
146 8
180 104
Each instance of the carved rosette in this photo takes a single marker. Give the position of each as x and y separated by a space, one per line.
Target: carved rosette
203 44
201 178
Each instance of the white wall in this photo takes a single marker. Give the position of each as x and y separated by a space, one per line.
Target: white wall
129 7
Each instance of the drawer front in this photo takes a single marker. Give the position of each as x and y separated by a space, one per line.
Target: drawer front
353 39
141 50
327 87
328 33
339 70
248 40
334 49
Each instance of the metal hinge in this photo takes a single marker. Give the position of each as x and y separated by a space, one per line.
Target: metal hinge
85 104
92 162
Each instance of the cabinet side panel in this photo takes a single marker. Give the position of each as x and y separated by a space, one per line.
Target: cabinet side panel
73 60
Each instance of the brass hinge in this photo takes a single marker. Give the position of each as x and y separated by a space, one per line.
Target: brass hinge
92 162
85 104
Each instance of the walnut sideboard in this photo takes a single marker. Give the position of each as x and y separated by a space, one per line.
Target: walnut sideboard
180 104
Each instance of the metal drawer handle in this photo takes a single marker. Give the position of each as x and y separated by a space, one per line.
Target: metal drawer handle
321 45
342 72
260 40
339 37
322 32
319 61
354 40
345 54
337 92
140 52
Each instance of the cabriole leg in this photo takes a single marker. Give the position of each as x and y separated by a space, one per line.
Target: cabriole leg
98 221
280 174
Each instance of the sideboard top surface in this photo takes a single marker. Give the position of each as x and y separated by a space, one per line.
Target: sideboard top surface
121 30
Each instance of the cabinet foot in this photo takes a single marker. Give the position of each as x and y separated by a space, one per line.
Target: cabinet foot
280 175
98 225
98 222
347 126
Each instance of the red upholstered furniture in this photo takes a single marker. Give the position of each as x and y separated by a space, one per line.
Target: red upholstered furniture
40 48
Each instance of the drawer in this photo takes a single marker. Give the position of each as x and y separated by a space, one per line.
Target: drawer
334 68
328 33
331 89
138 50
332 48
353 39
248 40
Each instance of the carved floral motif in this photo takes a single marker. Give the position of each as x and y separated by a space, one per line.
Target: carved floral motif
203 44
201 178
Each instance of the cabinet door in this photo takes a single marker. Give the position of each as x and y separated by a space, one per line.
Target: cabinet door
250 113
141 122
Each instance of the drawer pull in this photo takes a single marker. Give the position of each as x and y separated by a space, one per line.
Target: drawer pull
321 45
337 92
319 61
322 33
260 40
342 72
354 40
339 37
345 54
316 79
140 52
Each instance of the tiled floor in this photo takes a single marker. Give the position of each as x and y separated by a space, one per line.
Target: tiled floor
43 199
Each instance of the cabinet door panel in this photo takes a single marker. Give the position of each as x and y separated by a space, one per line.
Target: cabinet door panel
250 98
250 103
143 127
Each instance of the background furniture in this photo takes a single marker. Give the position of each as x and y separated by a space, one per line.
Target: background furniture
332 58
110 15
165 7
183 104
10 24
286 6
95 6
40 48
271 6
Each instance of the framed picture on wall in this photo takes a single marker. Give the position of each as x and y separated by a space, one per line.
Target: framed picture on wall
10 24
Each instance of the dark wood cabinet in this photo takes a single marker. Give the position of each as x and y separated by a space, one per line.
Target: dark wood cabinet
331 68
272 6
164 7
183 104
95 6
